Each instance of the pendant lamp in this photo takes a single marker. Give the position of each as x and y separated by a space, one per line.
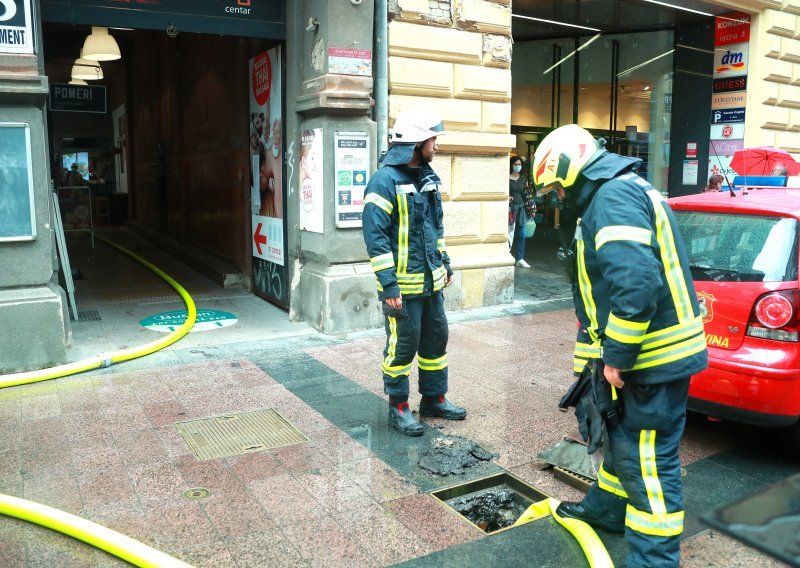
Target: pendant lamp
87 70
100 46
78 82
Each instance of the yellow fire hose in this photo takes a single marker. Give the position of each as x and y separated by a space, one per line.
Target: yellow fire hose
108 359
592 546
96 535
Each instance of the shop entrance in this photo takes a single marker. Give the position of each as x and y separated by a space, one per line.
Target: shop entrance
168 139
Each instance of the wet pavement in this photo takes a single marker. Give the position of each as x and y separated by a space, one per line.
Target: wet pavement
104 446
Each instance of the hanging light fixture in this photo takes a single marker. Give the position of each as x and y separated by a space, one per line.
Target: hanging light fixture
100 46
78 82
86 70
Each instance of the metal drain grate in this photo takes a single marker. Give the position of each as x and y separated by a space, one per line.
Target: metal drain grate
237 434
89 315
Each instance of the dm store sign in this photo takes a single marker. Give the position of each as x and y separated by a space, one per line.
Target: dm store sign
16 29
731 60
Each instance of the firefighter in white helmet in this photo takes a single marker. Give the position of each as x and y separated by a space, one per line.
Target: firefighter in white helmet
640 339
403 231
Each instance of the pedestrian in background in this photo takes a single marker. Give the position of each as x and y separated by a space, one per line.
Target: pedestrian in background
404 234
640 331
714 184
521 207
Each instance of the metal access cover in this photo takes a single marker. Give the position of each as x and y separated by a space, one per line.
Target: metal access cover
89 315
236 434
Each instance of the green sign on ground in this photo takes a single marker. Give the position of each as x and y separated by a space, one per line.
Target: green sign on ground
207 320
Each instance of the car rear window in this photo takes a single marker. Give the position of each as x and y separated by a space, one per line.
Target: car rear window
724 247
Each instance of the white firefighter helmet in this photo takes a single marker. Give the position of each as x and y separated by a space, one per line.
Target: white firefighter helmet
561 156
416 125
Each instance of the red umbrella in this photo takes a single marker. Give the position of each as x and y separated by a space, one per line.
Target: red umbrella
760 161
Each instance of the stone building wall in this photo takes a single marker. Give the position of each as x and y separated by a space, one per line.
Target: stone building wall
454 57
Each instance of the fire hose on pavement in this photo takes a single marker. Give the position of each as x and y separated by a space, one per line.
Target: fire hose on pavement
96 535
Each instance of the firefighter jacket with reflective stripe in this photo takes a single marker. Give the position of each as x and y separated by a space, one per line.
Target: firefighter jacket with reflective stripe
402 225
634 294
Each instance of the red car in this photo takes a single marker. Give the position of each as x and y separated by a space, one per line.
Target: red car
743 252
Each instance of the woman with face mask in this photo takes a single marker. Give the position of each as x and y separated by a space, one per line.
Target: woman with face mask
517 215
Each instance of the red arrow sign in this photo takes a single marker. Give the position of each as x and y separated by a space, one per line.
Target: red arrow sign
259 238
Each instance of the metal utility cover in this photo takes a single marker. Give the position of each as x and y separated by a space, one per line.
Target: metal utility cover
236 434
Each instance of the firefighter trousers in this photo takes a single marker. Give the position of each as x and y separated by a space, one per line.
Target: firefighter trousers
421 330
639 483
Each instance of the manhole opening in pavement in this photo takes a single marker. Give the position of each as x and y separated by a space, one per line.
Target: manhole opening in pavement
237 434
492 504
89 315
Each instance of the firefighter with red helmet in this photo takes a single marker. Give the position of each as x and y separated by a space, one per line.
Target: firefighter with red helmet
404 234
640 324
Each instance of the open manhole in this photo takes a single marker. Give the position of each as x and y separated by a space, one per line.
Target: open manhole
492 503
236 434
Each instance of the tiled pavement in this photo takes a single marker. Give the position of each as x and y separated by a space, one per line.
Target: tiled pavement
104 446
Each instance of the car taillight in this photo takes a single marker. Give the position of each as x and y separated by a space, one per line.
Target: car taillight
774 311
776 316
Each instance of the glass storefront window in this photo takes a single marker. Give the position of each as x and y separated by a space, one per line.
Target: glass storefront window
635 119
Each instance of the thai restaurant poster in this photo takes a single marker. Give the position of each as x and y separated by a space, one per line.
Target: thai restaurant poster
311 196
266 156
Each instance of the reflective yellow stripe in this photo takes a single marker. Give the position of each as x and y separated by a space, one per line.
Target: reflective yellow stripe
440 244
610 483
587 351
407 289
578 364
432 364
410 277
397 370
672 334
402 233
376 199
439 278
381 262
665 524
625 331
670 353
647 457
389 359
378 283
585 287
622 233
670 260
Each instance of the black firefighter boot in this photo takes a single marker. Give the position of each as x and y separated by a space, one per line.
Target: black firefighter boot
441 407
401 419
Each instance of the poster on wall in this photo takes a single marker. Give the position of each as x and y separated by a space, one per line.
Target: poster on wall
17 207
311 189
16 26
351 171
266 176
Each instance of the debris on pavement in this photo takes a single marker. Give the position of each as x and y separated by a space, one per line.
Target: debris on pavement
451 455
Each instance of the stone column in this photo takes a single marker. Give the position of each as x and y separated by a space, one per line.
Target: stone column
333 287
34 328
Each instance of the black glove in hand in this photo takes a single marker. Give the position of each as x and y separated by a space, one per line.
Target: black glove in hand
590 423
